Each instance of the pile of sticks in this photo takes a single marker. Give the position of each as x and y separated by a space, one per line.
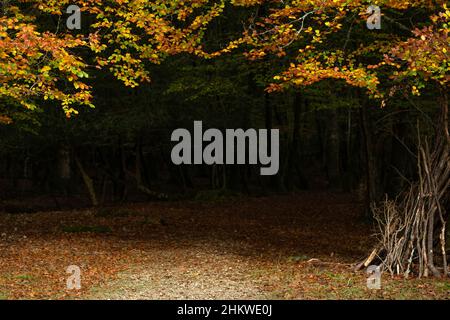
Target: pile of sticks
414 225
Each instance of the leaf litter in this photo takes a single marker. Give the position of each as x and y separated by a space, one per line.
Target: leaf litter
295 246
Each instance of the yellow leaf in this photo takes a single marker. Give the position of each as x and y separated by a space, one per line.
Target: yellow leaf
45 69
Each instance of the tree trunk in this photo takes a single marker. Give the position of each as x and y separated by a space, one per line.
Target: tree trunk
369 160
87 182
64 168
333 150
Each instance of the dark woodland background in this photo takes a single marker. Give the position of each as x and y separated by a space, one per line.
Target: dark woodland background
332 136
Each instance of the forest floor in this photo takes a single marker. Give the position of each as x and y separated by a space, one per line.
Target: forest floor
298 246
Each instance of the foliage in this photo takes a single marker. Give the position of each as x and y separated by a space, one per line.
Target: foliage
37 66
125 36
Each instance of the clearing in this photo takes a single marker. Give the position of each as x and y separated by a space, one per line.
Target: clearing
296 246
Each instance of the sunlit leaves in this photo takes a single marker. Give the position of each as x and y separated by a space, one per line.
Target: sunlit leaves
425 56
38 66
313 25
125 36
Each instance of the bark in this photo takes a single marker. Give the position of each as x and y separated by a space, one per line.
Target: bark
88 182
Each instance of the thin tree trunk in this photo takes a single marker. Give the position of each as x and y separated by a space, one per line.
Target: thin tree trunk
333 163
370 168
87 182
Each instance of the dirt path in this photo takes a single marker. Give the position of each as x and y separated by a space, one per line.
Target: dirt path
205 274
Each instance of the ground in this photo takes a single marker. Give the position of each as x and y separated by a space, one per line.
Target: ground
297 246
